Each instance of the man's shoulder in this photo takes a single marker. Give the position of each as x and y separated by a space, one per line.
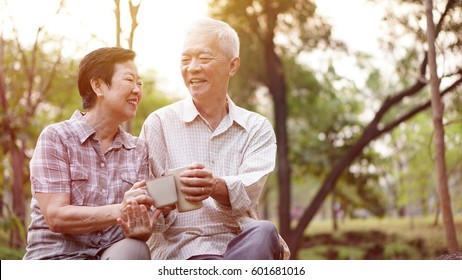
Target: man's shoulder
248 113
249 118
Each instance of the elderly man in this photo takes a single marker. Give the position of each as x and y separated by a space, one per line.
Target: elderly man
229 152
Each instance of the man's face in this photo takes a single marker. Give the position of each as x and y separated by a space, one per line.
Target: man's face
204 67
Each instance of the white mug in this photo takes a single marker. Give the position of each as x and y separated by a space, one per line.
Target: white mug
162 190
182 204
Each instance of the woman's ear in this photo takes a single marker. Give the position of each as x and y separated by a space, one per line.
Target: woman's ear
234 65
96 86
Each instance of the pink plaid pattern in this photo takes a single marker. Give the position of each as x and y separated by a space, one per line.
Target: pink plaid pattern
69 159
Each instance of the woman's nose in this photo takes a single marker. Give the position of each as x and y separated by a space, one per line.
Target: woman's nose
137 88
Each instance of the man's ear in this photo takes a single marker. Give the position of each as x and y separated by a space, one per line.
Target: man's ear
96 84
234 65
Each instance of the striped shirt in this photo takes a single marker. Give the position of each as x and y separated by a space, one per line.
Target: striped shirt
68 159
241 150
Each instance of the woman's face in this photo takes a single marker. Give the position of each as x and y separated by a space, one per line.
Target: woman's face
122 98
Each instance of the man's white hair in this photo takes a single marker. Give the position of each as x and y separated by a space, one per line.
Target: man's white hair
228 39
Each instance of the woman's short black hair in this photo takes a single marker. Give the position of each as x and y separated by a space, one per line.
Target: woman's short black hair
99 64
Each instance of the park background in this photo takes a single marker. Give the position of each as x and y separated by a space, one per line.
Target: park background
346 85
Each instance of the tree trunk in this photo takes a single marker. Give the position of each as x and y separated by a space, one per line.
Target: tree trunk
3 105
127 125
277 89
133 14
334 211
17 156
118 23
437 108
17 239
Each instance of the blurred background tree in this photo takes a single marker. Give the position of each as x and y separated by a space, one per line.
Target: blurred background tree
28 77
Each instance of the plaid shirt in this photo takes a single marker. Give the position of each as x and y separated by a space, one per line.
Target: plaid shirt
241 150
68 159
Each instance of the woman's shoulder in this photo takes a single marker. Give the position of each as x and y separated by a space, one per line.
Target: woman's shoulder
62 129
65 128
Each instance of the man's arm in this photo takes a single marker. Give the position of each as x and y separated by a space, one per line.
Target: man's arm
240 192
258 161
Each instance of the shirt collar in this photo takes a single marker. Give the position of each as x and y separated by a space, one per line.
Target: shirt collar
190 112
235 115
84 131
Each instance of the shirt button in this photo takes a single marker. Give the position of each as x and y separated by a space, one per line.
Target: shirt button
103 191
100 233
213 161
102 164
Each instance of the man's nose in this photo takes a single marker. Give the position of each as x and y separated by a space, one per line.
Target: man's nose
194 65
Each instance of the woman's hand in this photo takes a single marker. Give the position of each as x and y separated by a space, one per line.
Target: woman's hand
139 222
139 194
166 209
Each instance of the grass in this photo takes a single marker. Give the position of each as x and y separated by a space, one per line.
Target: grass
384 239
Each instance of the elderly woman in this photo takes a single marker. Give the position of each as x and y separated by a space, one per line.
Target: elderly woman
87 174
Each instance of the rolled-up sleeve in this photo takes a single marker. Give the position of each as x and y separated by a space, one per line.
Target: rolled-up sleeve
258 161
49 167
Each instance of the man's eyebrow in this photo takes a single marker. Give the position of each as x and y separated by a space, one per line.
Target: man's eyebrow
189 52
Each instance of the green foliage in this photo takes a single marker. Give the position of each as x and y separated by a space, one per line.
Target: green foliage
7 253
398 250
409 166
405 33
325 117
379 239
10 222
